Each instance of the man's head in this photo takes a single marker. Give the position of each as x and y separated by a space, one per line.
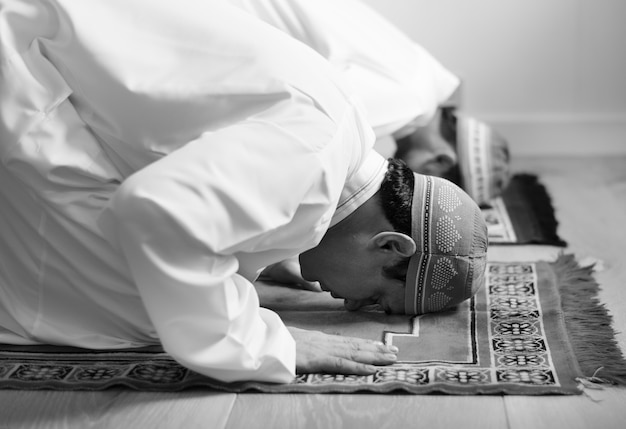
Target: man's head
419 245
461 149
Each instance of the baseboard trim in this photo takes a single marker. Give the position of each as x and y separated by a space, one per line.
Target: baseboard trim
566 135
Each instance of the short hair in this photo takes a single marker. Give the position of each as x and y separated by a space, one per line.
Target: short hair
396 197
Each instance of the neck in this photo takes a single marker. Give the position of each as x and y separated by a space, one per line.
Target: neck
367 218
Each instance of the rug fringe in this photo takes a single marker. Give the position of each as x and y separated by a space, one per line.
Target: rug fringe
537 196
588 323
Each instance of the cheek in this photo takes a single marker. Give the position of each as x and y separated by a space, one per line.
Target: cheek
307 265
315 265
396 302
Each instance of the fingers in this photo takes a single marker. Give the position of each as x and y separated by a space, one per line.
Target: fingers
318 352
337 365
350 360
312 286
368 352
346 366
353 305
355 344
370 358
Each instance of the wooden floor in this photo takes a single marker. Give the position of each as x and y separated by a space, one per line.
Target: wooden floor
590 198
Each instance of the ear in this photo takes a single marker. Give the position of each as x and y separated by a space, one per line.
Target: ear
391 241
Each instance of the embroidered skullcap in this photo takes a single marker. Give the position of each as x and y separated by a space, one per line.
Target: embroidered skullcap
483 159
451 236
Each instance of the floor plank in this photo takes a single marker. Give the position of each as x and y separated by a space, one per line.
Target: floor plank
188 410
114 409
364 411
605 410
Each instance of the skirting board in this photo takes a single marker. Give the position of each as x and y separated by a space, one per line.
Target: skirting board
551 135
562 136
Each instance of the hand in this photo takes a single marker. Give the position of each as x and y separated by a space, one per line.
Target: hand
288 271
334 354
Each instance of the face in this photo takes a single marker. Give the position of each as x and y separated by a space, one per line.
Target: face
427 152
425 162
348 269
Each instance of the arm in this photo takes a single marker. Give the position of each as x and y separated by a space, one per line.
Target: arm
181 221
174 230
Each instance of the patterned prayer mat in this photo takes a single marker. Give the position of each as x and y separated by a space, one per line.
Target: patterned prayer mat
510 339
523 214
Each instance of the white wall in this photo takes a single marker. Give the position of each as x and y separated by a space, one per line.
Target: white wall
549 74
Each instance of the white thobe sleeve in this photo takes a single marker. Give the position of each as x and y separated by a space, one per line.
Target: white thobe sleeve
400 83
181 221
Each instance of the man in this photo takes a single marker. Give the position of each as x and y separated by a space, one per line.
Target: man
461 149
155 159
403 88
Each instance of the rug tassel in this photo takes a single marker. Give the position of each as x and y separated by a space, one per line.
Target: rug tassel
594 381
588 324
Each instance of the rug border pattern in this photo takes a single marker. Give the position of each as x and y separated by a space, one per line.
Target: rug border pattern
157 371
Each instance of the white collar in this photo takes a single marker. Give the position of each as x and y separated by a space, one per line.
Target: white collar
361 186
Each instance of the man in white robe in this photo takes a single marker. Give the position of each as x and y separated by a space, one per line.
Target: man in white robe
157 155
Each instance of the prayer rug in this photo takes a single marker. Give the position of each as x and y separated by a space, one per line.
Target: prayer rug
512 338
523 214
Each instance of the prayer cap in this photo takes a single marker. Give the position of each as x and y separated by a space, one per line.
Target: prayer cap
451 236
483 159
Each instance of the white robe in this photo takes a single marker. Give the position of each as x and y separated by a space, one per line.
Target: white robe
155 156
399 82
